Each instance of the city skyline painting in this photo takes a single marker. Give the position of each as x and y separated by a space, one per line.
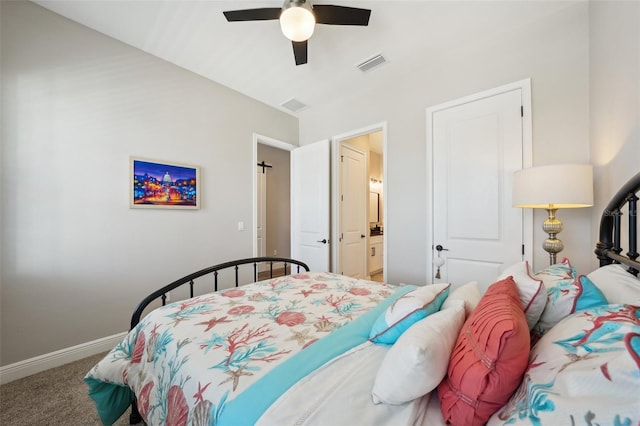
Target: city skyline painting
161 184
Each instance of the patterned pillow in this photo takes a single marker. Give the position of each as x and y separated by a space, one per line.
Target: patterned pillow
489 358
556 272
407 310
566 297
586 370
531 291
418 361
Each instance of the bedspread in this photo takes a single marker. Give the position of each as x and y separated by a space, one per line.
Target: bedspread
187 361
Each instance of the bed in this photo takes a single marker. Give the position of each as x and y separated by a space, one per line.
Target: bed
547 347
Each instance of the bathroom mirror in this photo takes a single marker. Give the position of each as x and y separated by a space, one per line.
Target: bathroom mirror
374 207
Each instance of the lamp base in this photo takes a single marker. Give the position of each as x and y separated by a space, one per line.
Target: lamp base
552 226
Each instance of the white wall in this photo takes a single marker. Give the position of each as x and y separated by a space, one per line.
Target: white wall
615 98
75 106
553 52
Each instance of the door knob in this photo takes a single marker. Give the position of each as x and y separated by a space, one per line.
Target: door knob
362 236
440 248
323 241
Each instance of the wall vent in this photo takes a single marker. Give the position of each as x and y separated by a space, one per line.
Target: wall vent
372 62
293 105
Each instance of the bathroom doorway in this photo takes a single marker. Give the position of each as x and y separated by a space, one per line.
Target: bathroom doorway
369 191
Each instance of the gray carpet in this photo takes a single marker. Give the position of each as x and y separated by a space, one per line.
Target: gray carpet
54 397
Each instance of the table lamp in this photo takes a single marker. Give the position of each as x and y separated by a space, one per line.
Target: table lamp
558 186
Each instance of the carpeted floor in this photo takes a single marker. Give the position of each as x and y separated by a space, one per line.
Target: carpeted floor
54 397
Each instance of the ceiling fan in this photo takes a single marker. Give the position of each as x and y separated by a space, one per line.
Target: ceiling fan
298 19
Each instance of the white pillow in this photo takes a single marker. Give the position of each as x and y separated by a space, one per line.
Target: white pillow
418 361
531 291
469 293
617 285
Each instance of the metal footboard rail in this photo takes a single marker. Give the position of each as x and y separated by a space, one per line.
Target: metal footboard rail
288 264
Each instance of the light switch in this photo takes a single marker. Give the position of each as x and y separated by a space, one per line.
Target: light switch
241 226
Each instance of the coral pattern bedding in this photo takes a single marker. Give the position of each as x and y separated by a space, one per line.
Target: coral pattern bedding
188 361
303 350
546 348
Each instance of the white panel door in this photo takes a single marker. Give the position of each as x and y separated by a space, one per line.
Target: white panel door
310 170
353 212
477 146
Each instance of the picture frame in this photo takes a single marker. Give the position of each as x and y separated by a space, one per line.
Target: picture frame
156 184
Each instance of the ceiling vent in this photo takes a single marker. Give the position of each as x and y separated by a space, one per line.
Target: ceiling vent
372 62
293 105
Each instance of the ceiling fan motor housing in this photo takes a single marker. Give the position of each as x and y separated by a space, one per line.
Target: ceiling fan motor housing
297 20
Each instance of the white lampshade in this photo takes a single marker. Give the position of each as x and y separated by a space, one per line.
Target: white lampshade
558 186
297 21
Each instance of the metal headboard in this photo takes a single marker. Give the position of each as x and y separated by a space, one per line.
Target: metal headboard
609 247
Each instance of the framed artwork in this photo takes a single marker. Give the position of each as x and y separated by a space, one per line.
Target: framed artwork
165 185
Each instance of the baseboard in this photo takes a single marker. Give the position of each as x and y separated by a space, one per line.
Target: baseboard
20 369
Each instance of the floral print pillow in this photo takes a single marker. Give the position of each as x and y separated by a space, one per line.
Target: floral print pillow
585 370
566 293
564 298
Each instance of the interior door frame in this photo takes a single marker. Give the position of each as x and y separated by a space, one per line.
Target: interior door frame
263 209
264 140
527 154
335 190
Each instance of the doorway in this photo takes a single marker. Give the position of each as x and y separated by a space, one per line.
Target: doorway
272 197
359 220
475 144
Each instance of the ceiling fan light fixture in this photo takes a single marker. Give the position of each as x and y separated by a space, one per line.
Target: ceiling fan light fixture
297 20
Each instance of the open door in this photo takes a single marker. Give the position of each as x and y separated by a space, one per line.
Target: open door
310 205
354 229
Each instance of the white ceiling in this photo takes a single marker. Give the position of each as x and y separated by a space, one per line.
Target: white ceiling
254 58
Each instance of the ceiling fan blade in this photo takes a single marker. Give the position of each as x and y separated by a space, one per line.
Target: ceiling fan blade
300 51
341 15
263 14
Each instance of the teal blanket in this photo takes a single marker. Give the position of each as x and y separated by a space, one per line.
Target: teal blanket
248 407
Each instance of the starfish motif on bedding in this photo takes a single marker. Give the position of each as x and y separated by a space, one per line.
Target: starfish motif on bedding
198 396
300 336
178 319
213 321
235 376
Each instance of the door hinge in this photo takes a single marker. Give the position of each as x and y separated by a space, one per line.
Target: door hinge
342 158
523 249
521 111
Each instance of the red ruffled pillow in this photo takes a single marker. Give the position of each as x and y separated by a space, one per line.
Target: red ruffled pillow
489 358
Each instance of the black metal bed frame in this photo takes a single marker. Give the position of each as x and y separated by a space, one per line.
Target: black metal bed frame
215 269
609 247
608 250
288 264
